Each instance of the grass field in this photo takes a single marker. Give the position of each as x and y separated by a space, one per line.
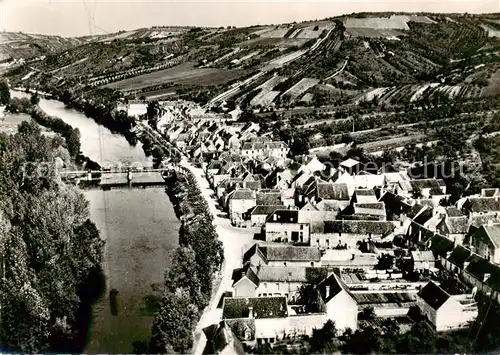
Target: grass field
183 74
302 86
373 32
264 98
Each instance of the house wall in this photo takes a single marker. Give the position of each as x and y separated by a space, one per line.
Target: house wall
290 290
245 288
238 207
472 280
343 310
452 316
283 231
426 310
391 311
330 240
258 219
296 325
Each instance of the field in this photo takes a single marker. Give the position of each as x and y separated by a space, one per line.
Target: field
278 42
264 98
374 33
302 86
183 74
275 33
382 23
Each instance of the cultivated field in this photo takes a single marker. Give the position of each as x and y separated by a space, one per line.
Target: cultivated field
183 74
302 86
374 33
377 23
275 33
264 98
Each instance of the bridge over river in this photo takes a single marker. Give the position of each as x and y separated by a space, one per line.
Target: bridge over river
117 177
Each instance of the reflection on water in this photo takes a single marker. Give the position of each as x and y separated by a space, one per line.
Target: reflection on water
98 142
140 229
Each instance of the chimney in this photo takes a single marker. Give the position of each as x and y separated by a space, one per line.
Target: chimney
466 264
486 277
448 254
250 312
327 292
275 217
490 222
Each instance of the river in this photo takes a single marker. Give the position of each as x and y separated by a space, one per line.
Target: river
140 229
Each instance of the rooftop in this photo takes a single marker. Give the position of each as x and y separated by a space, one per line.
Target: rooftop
434 295
263 307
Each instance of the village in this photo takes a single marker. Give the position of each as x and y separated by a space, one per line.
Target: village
350 244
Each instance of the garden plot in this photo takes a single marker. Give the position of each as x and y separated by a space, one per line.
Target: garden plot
264 98
276 33
421 90
302 86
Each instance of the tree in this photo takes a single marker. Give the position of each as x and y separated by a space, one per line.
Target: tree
300 146
173 323
34 99
367 313
386 261
4 93
321 337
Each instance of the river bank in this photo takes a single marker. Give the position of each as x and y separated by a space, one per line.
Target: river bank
140 229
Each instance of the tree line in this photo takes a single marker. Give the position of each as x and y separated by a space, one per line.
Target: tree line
50 251
188 282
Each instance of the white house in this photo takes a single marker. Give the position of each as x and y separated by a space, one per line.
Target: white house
444 311
282 225
339 304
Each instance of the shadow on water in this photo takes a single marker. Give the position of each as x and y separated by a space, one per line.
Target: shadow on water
113 301
89 294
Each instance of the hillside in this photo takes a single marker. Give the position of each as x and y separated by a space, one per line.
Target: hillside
391 58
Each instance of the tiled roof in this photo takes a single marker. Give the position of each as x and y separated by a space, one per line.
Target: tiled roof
365 192
459 255
265 209
263 307
489 233
394 204
331 191
434 295
425 255
333 285
374 206
484 204
243 194
489 192
245 271
439 245
478 221
281 274
453 212
268 198
358 227
283 216
290 253
457 225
